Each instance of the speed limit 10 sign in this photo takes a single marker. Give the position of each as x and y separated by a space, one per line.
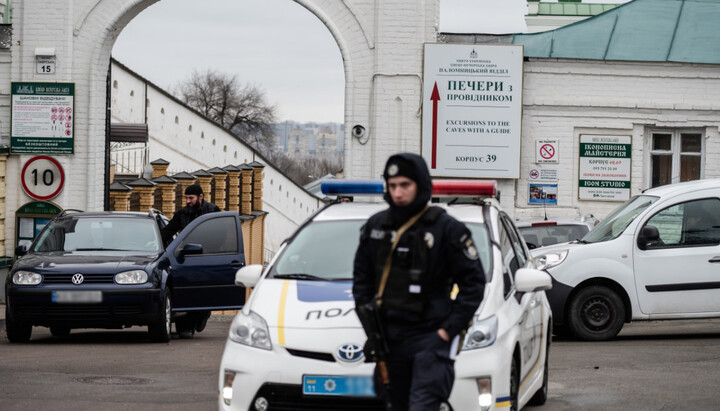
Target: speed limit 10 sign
42 178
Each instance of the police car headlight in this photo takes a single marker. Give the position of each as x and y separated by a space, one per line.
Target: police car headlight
550 260
250 330
26 278
131 277
482 333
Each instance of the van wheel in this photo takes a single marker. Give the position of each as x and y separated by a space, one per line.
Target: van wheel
160 330
596 313
17 333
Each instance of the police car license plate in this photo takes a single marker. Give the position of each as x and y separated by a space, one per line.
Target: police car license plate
347 385
77 297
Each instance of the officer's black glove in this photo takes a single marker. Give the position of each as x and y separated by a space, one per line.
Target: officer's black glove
369 349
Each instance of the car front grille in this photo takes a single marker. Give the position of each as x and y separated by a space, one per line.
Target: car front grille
322 356
87 278
288 397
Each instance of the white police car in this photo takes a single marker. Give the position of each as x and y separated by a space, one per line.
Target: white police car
297 343
654 258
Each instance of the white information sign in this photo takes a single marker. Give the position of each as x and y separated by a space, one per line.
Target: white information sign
546 151
545 175
45 64
604 168
42 178
472 110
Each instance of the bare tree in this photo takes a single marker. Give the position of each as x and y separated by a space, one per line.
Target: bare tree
242 109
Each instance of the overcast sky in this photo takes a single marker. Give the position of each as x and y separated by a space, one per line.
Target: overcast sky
275 44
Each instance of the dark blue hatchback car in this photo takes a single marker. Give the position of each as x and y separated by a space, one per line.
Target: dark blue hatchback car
111 270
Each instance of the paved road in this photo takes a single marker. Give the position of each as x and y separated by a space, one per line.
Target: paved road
651 366
112 370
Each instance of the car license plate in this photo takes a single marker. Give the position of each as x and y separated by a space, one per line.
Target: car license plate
348 385
77 297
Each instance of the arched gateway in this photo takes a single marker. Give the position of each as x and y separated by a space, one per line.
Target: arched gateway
380 42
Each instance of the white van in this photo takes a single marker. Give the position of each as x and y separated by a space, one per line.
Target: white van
655 257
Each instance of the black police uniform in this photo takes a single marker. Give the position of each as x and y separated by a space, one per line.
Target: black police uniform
194 320
435 253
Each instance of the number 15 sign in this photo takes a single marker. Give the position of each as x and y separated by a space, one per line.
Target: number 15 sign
42 178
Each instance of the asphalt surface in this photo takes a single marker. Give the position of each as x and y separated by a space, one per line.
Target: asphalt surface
666 365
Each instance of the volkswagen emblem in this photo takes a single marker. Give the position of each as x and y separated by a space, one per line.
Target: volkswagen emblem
77 279
350 353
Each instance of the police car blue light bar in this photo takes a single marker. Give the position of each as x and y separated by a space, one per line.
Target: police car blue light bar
454 188
351 186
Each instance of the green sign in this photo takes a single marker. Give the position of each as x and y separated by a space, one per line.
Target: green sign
42 118
39 207
604 167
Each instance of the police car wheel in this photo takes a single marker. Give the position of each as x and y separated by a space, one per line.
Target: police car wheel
540 397
514 384
596 313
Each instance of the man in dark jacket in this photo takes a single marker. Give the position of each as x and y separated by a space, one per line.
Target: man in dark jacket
421 321
195 207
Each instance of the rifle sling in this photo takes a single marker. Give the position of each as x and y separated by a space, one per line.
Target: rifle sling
388 262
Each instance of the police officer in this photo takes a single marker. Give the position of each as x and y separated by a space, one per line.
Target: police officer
195 206
421 321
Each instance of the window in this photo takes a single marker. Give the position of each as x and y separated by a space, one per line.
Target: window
217 236
694 223
509 260
675 156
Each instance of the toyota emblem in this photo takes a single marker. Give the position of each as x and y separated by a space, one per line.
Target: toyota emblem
350 353
77 279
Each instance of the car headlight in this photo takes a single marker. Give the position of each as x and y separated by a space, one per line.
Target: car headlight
550 260
26 278
131 277
482 333
250 330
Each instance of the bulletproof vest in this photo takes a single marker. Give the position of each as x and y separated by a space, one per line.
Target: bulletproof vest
407 286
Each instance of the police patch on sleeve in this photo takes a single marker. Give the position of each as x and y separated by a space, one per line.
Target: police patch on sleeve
469 249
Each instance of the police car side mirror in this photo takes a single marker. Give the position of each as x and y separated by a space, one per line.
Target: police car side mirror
249 275
528 280
649 235
21 250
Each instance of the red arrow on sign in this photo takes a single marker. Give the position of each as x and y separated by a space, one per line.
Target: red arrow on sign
434 97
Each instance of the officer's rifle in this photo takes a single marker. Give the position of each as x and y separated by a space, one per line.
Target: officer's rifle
370 319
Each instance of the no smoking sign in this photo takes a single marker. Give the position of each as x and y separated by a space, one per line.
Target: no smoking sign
42 178
546 151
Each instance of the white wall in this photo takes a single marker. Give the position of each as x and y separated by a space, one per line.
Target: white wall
563 99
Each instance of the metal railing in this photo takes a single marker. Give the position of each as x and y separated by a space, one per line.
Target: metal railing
129 160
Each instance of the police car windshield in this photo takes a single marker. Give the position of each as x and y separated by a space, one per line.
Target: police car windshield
99 234
612 226
322 250
325 250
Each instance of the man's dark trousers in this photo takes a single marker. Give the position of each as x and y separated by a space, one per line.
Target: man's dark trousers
421 373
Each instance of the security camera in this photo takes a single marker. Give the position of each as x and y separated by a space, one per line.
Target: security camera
358 131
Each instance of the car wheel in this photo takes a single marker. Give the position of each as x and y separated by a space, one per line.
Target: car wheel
160 331
596 313
541 395
17 333
57 331
514 384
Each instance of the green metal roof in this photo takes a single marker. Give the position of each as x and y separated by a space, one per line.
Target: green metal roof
642 30
574 9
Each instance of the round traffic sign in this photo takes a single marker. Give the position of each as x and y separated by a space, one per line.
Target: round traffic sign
547 151
42 178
